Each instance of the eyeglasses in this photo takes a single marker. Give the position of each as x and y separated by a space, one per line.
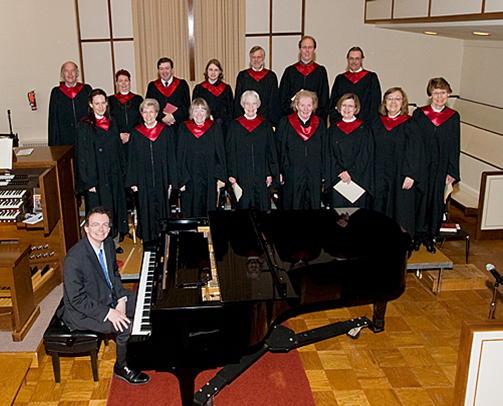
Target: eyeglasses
98 225
394 98
441 93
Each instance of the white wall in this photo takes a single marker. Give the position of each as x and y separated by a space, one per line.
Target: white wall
36 37
399 58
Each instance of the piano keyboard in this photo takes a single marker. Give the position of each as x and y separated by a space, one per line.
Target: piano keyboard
10 203
12 193
8 216
141 321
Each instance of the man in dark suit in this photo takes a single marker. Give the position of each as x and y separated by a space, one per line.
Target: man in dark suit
94 298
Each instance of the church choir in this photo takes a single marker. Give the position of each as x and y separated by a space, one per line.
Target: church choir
265 137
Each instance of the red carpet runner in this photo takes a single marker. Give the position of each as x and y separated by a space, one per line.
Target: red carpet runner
275 379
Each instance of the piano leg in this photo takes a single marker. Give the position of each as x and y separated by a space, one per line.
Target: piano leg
378 317
186 379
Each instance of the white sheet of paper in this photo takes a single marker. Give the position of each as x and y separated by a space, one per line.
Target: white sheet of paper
6 153
351 191
447 191
238 192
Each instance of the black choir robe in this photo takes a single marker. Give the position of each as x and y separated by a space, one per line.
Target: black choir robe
65 113
100 164
350 148
265 83
201 163
365 85
251 157
176 94
152 167
440 133
308 77
301 161
398 153
125 109
219 99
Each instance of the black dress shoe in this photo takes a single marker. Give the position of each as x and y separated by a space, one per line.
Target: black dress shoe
415 245
430 247
119 250
131 376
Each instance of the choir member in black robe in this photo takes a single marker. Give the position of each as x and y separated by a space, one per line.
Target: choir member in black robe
365 84
152 170
350 154
251 155
67 106
201 161
217 94
264 82
301 138
305 75
440 131
100 164
125 106
172 94
398 158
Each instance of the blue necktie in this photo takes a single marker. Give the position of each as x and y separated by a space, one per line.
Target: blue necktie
104 268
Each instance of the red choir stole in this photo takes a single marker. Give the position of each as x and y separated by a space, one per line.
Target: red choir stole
103 123
150 133
305 69
167 90
198 130
71 92
257 75
354 77
392 122
348 128
124 98
304 132
215 90
438 118
250 125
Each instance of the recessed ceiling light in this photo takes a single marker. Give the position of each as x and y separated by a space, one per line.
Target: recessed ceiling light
481 33
430 32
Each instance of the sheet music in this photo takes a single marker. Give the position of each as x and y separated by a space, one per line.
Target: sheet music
6 153
351 191
238 192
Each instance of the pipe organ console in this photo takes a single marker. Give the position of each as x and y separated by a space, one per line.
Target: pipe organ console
48 173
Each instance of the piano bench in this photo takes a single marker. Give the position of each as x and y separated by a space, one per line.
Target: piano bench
60 340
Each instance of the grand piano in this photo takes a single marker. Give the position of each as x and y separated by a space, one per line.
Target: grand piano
215 291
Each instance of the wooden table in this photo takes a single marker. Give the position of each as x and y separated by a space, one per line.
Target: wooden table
12 377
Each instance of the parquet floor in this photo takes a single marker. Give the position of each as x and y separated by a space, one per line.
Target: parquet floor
412 363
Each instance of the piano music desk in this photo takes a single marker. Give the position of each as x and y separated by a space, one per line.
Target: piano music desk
422 260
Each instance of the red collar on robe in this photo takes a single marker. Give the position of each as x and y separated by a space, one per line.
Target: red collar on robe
349 127
354 77
198 130
304 132
151 133
71 92
438 118
215 90
257 75
167 90
392 122
103 123
124 98
250 125
305 69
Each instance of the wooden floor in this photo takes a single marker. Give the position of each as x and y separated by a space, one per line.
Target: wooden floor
412 363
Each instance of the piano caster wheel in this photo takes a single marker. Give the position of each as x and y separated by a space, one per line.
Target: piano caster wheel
354 333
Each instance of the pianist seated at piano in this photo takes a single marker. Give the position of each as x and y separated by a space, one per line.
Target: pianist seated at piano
94 298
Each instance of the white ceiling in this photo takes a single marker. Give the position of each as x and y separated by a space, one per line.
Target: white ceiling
459 29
